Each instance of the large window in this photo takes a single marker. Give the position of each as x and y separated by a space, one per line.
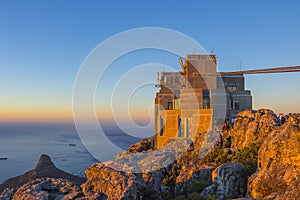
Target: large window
234 104
179 127
205 99
162 126
237 105
170 104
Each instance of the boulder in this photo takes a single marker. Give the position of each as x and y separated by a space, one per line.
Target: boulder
196 170
123 177
202 173
229 180
149 161
180 145
142 146
279 163
115 184
252 127
48 188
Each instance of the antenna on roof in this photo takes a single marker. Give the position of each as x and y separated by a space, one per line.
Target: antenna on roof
181 63
210 52
240 63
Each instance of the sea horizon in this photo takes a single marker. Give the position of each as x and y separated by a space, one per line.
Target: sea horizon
23 143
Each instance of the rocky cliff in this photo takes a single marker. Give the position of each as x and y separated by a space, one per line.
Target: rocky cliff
279 163
252 127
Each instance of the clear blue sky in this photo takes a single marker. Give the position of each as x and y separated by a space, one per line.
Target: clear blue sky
43 43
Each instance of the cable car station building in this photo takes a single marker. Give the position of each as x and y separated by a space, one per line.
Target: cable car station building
192 100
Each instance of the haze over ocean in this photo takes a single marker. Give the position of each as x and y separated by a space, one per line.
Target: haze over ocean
23 143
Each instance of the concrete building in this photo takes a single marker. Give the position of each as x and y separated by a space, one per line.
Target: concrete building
193 100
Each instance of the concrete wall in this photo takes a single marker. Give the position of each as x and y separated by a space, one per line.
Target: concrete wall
234 80
192 122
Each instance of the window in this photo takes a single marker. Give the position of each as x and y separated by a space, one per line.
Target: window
162 126
234 104
168 80
205 99
170 104
232 88
179 127
176 80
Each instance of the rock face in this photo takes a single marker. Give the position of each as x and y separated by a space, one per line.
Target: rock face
253 127
115 184
103 179
195 172
44 168
123 177
117 178
48 188
279 163
7 193
229 180
142 146
152 160
292 192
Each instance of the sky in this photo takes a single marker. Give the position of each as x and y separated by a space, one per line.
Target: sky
44 43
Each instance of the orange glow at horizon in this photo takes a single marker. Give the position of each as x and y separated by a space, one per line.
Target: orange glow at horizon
42 114
138 114
35 114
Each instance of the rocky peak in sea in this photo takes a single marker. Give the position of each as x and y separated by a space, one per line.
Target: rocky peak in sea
44 168
44 162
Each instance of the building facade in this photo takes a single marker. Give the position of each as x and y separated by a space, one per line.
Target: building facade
192 100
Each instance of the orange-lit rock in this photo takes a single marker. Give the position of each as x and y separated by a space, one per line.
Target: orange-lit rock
252 127
279 163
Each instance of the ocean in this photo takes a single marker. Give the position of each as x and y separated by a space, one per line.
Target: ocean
23 143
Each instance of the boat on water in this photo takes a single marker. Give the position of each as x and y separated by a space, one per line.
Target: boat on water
3 158
72 145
